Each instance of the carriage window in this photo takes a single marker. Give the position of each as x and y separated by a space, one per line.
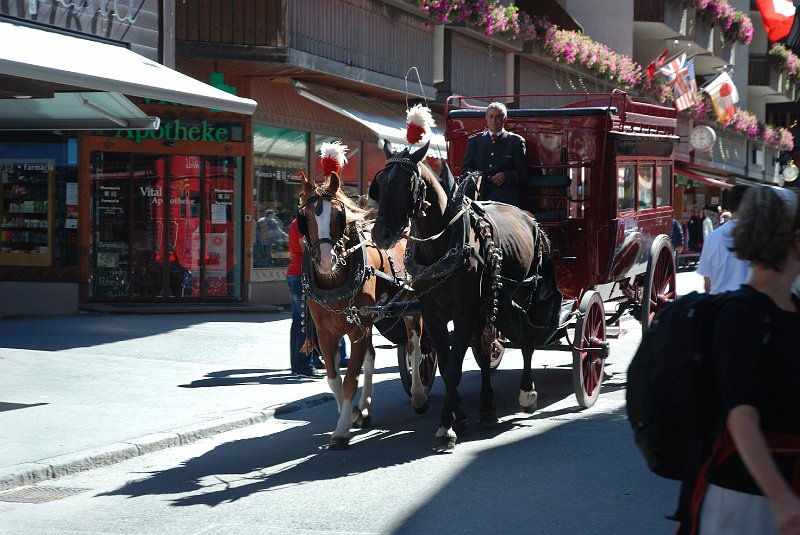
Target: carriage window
625 187
645 186
663 185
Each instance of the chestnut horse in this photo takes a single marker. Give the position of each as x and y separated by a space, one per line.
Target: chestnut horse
481 265
342 273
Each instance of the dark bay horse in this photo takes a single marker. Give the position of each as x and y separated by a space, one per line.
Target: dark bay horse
480 265
343 272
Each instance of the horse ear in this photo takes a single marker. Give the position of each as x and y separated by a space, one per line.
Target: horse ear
308 186
387 149
419 154
333 183
446 178
374 190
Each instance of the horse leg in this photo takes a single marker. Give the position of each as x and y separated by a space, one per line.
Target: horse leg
487 417
364 418
446 436
528 397
419 399
340 440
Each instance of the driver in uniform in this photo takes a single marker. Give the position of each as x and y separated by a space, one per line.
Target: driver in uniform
499 155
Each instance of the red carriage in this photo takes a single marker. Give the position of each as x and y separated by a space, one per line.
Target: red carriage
600 184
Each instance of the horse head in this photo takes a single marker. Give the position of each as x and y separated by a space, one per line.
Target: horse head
400 191
322 220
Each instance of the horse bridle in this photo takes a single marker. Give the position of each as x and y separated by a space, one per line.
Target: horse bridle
319 196
418 187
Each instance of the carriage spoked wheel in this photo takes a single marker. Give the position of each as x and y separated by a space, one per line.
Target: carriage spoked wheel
427 367
660 279
590 349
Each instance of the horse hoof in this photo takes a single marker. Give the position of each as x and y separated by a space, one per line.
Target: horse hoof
528 401
487 419
339 443
444 443
423 409
461 426
366 421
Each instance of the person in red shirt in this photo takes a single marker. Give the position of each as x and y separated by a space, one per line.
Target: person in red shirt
301 363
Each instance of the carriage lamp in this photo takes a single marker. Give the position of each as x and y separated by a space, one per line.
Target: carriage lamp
790 172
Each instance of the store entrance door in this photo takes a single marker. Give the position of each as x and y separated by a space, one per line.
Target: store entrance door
163 227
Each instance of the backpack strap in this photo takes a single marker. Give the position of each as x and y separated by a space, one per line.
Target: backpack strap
779 443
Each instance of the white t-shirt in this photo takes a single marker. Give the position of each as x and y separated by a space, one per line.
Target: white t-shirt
721 265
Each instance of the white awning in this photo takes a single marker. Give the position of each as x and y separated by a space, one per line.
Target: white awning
386 121
50 56
74 111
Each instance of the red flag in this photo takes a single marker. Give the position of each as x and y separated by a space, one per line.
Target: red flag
778 16
655 64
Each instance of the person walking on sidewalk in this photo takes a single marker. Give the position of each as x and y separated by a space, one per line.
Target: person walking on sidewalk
301 363
721 269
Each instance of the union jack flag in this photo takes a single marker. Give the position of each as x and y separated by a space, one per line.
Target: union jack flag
680 75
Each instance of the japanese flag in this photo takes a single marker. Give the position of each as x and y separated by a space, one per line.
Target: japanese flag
723 95
778 16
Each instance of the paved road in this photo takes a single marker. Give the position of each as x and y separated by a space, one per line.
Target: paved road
81 391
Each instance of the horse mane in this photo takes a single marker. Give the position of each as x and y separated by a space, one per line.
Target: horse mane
355 212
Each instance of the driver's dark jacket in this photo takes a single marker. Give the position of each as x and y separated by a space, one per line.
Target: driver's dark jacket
506 154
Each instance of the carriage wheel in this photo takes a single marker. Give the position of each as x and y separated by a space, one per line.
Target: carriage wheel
427 367
587 366
660 279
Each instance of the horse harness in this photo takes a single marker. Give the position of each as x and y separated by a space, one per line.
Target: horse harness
489 253
360 268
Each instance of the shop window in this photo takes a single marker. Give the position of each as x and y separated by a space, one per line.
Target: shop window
625 187
663 185
279 156
645 186
38 199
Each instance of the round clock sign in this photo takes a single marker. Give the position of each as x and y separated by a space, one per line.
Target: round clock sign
702 138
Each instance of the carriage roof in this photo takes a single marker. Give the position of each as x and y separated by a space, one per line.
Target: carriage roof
629 116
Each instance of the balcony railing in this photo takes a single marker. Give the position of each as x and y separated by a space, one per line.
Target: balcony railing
666 12
766 79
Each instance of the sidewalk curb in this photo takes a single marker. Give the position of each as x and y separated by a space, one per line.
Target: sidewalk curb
25 474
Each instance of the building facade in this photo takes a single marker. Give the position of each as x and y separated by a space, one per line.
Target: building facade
195 208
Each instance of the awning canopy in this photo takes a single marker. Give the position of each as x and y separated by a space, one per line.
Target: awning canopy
33 54
701 177
386 121
74 111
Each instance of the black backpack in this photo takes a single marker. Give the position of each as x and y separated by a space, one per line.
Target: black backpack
671 395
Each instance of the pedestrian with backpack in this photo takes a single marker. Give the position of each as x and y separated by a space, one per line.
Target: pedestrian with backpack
750 481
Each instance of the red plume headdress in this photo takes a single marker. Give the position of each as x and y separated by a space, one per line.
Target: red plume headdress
332 157
419 121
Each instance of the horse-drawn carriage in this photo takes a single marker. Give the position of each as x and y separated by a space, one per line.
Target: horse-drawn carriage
592 229
600 184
